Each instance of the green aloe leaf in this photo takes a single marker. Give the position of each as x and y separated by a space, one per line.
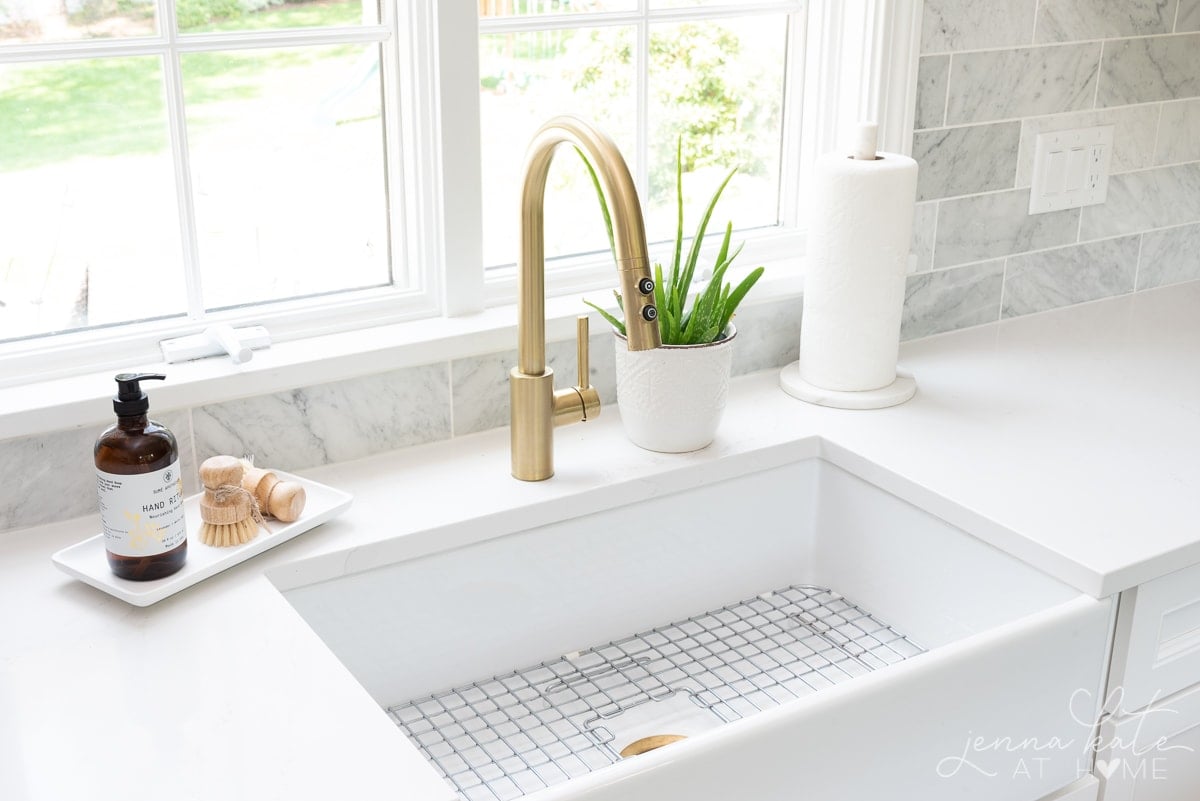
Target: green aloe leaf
713 307
689 269
613 321
678 210
736 296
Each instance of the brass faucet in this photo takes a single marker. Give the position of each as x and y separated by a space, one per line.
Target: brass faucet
536 407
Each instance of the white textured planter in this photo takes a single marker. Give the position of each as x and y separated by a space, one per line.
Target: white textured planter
672 398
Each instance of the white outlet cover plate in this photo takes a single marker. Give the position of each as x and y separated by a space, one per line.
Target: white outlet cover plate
1070 169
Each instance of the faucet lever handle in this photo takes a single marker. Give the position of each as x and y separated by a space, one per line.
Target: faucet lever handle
582 347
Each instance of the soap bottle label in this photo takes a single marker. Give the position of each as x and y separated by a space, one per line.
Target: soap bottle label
142 515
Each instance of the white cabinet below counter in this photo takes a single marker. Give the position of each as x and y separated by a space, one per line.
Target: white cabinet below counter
1153 754
1149 747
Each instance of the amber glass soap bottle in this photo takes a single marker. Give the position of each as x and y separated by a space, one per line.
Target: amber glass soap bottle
140 488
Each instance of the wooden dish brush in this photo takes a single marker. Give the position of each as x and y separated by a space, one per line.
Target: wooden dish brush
230 512
282 500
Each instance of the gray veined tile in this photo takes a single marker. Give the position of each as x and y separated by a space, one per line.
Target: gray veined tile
1051 279
1075 20
1145 70
966 161
480 391
973 25
1138 201
51 477
1189 16
48 477
330 422
1133 136
924 230
947 300
768 335
480 383
1022 83
983 227
1169 257
1179 132
179 423
933 73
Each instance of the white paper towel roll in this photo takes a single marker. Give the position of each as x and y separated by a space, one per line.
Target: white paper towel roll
858 243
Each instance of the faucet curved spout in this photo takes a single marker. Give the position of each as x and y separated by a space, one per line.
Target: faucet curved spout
536 407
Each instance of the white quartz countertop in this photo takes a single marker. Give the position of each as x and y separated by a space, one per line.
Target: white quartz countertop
1069 439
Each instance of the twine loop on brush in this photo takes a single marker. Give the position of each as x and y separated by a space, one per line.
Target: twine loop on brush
227 493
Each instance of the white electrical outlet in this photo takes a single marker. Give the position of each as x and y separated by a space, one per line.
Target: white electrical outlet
1070 169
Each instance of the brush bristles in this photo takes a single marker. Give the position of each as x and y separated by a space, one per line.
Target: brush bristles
228 534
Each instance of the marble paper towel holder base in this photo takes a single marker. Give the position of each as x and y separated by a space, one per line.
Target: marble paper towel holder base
895 393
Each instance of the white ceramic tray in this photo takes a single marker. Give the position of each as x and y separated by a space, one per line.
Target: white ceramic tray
87 562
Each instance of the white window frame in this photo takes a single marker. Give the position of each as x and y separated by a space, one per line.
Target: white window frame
404 34
860 63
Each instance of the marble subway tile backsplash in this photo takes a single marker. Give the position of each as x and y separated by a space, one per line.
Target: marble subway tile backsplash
1140 201
1072 20
1189 16
933 77
480 383
1048 280
982 227
52 477
946 300
972 25
1004 84
1153 68
1049 66
330 422
1179 132
48 477
966 161
1169 257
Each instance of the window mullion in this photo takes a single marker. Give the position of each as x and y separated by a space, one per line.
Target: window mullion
793 104
642 65
177 125
457 142
403 257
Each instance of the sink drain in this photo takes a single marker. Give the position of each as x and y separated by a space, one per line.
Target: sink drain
650 743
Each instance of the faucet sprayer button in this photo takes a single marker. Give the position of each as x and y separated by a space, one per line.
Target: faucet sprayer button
650 314
646 286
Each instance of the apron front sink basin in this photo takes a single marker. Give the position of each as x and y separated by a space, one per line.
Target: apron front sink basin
783 630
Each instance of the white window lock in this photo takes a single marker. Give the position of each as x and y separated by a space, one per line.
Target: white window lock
217 340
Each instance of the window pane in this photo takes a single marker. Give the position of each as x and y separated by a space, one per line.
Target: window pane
206 16
533 8
527 78
288 165
87 197
719 85
29 21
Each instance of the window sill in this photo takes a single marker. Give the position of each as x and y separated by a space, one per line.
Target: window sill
75 401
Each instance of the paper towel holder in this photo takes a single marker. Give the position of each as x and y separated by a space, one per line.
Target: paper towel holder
864 148
895 393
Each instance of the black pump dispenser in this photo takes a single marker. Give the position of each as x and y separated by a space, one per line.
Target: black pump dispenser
139 488
130 401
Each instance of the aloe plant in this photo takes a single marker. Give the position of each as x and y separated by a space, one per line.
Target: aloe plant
714 306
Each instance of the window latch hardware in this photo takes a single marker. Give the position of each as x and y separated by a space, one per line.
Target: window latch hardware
217 340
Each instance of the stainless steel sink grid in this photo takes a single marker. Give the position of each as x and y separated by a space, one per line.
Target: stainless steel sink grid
510 735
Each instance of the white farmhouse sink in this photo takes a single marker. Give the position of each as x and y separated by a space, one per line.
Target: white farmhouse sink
876 639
